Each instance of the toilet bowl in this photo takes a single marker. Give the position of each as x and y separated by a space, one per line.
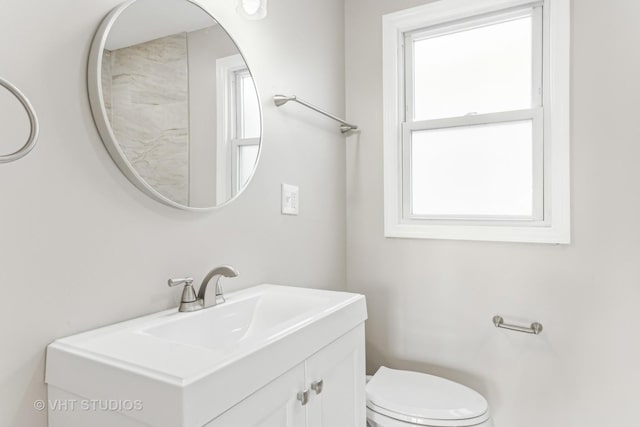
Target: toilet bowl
405 399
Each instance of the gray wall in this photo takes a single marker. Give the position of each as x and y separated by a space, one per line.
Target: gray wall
80 247
431 302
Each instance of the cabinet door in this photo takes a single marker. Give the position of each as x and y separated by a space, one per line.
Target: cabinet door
341 401
274 405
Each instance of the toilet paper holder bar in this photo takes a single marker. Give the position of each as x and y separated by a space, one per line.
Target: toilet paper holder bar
534 329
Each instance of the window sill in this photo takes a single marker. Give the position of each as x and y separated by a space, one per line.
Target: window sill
492 233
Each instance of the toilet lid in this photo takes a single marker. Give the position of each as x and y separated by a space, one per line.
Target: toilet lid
416 396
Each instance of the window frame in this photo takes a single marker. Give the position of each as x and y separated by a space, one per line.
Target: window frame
230 115
238 141
549 114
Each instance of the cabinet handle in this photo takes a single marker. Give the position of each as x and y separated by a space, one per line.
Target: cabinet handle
303 397
317 386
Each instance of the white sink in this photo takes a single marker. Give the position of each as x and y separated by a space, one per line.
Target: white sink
244 320
190 367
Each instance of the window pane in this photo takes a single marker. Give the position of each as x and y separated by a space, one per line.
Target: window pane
250 109
247 157
481 70
481 170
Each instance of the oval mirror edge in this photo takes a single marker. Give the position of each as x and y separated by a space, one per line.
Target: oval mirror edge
105 131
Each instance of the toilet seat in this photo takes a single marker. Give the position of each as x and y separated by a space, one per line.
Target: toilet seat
426 400
392 419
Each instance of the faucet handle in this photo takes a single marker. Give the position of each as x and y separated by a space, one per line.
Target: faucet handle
182 281
189 301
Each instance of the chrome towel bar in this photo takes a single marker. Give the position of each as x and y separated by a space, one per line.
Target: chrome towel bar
33 119
534 329
280 100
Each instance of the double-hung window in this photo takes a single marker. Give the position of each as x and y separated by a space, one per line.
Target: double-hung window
239 125
476 121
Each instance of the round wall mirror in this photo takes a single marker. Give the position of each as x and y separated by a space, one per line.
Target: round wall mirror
175 103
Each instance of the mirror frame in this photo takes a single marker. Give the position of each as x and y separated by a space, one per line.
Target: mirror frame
100 117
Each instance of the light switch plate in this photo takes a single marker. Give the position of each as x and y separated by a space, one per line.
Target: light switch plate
290 199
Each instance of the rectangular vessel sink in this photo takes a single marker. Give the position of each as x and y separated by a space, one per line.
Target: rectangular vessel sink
188 368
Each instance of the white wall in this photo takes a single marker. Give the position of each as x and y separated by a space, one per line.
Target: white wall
80 247
431 302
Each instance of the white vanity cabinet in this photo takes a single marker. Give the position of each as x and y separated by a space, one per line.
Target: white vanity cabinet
274 405
327 390
270 356
340 369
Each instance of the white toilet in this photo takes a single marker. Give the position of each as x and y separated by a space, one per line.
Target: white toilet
404 399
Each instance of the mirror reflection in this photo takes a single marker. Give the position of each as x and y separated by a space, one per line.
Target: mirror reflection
181 102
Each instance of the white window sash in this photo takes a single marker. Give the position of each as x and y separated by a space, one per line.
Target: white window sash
533 9
535 115
475 119
473 22
236 145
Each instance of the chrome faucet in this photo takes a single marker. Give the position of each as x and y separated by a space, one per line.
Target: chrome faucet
191 302
216 274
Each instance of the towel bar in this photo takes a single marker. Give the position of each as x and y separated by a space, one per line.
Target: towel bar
280 100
